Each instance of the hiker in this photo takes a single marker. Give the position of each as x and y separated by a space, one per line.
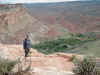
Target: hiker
27 45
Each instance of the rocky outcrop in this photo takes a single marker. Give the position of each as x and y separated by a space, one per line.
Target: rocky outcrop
15 22
69 15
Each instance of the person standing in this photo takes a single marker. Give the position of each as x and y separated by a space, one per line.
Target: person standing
26 45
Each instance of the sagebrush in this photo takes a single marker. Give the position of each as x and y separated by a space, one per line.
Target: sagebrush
86 67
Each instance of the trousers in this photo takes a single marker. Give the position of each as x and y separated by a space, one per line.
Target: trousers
26 52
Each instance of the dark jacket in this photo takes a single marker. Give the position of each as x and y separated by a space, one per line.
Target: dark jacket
27 44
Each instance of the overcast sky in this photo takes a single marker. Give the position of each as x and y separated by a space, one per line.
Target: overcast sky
32 1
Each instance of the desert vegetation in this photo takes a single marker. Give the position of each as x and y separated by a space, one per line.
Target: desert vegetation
2 7
63 43
86 67
6 66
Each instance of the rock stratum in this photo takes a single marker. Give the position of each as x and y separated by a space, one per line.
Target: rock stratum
76 17
15 22
47 21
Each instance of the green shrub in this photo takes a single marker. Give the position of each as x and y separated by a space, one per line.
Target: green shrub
6 65
58 45
62 44
4 8
86 67
80 35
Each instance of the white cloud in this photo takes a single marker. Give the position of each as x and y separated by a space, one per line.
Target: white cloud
31 1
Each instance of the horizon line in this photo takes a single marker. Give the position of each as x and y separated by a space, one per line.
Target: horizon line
27 2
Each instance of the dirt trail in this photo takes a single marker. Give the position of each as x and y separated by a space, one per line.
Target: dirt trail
47 64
